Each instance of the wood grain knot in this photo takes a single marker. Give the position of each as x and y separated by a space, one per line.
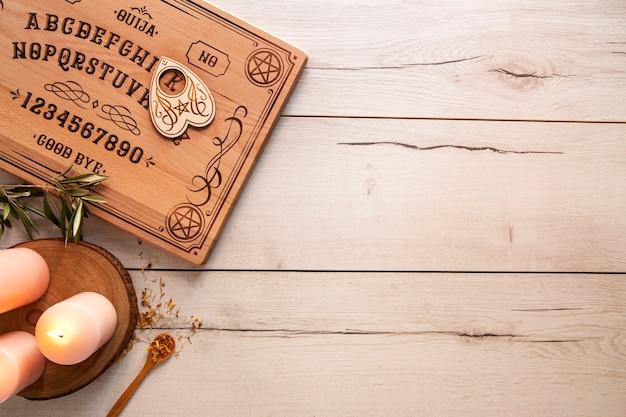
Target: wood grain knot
524 75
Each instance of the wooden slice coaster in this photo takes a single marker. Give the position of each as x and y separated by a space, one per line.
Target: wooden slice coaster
74 269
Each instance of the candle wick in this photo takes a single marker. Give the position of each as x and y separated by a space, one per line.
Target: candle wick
56 333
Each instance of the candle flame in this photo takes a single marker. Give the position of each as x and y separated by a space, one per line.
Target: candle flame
56 333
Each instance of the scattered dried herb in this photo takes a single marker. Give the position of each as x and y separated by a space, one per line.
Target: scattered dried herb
73 194
196 323
156 307
151 314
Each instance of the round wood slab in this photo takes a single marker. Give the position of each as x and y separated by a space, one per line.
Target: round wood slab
74 269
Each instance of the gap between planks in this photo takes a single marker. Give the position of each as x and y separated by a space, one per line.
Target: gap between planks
456 119
373 271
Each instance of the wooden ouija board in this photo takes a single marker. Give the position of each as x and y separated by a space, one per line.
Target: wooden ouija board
172 99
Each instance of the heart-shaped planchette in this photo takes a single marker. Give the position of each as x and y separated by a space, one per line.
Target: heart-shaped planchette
178 99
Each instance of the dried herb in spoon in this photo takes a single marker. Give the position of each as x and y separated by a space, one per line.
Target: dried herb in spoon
159 351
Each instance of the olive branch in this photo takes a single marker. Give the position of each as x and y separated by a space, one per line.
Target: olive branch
67 210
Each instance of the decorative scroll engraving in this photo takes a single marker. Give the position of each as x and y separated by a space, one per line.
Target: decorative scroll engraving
120 116
143 10
212 177
72 91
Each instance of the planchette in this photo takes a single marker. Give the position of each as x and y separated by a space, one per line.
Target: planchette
179 99
174 100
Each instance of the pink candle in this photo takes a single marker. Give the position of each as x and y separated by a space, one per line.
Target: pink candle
71 331
21 363
24 277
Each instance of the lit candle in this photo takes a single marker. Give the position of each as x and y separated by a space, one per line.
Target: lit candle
21 363
71 331
24 277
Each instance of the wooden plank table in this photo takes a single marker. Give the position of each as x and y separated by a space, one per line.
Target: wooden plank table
436 227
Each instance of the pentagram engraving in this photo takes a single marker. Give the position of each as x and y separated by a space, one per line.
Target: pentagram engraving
185 222
264 67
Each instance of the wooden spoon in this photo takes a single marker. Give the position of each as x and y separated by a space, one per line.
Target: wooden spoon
160 349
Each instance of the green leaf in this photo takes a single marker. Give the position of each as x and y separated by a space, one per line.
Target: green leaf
94 199
6 210
76 192
19 194
48 211
77 221
62 218
92 179
34 210
12 187
30 227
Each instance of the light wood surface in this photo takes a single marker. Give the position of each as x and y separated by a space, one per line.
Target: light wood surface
436 227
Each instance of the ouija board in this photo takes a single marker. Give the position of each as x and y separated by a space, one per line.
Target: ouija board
173 100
